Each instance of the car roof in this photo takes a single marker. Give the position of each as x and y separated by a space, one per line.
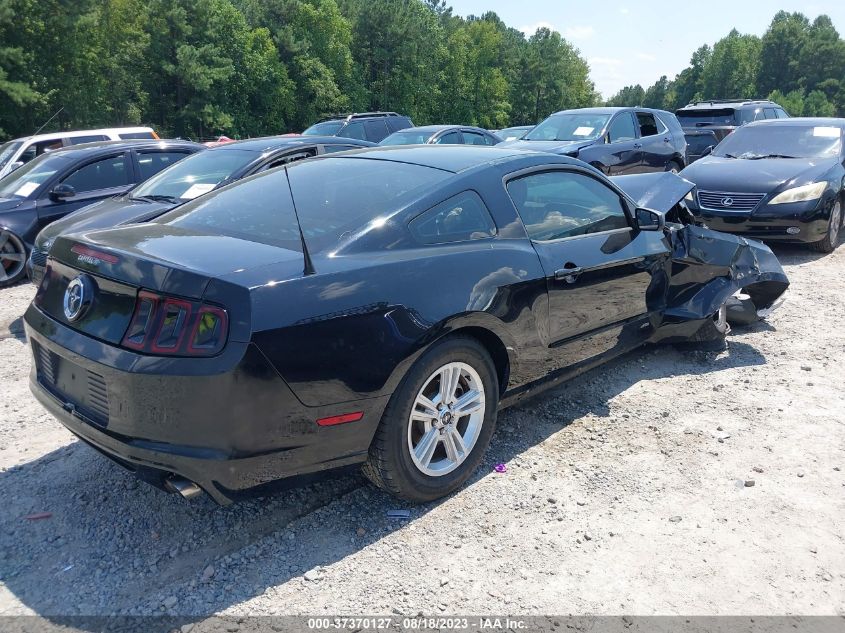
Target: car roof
452 158
87 149
71 134
727 103
269 143
802 122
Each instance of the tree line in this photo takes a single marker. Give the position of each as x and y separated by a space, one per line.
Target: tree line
797 63
200 68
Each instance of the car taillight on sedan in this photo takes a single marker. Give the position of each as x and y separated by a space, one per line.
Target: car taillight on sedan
169 326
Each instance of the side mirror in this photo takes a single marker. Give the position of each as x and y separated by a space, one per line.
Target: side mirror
650 220
62 191
16 165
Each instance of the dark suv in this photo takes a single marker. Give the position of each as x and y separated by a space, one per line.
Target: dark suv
364 126
706 123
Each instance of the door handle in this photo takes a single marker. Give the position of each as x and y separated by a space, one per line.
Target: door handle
667 140
638 145
569 275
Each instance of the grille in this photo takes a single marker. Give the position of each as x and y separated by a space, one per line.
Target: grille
39 258
98 396
720 200
45 364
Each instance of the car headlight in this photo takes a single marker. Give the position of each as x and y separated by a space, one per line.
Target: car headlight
689 197
813 191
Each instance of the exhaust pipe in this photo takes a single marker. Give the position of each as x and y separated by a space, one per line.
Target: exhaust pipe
188 489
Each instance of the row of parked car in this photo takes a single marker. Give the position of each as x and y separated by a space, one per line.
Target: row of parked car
762 174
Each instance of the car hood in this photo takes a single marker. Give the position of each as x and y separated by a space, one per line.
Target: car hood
105 215
7 204
736 175
658 191
553 147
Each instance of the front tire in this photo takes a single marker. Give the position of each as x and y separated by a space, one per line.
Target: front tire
438 423
12 258
712 336
831 240
673 166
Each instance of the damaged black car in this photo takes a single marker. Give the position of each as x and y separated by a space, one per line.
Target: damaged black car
374 308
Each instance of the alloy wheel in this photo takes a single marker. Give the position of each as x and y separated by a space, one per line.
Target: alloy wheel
446 419
12 256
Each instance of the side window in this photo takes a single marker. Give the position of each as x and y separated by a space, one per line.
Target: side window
396 123
648 126
474 138
93 138
101 174
288 158
41 147
450 138
355 129
781 114
460 218
622 128
376 130
770 113
153 162
558 204
330 149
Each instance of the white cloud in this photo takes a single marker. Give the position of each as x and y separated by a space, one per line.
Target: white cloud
579 32
646 57
531 29
604 61
624 11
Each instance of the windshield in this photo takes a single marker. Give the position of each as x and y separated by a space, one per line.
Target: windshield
781 141
407 138
326 128
703 118
569 127
23 182
335 198
7 150
513 133
195 175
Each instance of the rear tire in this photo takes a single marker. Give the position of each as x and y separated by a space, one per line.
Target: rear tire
12 258
834 229
427 445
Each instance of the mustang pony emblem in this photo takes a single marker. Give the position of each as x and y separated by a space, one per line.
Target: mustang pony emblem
78 297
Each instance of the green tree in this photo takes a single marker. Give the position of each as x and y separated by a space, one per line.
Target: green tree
817 104
793 102
627 97
780 49
14 93
687 86
655 95
732 70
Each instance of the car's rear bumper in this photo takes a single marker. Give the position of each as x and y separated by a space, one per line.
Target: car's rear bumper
227 430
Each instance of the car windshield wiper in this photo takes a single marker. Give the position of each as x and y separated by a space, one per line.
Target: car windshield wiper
761 156
156 198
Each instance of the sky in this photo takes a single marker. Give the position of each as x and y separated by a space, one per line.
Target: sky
635 42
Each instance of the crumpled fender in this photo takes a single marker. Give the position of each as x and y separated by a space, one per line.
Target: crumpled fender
709 266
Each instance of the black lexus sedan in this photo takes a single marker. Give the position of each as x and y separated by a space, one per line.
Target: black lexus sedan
60 182
781 181
373 307
616 141
213 168
442 135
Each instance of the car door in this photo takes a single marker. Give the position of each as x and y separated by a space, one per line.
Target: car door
656 140
622 153
93 180
597 264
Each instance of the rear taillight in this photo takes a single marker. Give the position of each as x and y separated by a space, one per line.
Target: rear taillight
169 326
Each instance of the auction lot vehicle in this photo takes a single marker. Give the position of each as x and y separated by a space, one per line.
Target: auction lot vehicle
56 184
442 135
18 152
780 181
705 123
513 133
616 141
376 306
191 178
364 126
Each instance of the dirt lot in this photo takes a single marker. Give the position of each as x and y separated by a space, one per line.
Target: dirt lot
670 482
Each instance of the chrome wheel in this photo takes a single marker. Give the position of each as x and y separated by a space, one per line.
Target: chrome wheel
12 257
446 419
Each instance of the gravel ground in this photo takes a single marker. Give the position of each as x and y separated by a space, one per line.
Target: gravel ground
669 482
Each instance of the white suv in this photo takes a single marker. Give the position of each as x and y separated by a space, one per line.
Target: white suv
20 151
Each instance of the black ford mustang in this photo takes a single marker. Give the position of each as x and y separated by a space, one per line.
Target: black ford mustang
374 307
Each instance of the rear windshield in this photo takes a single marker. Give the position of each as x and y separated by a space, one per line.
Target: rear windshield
703 118
326 128
335 198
